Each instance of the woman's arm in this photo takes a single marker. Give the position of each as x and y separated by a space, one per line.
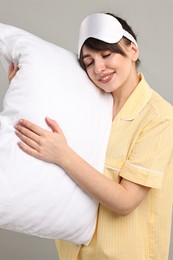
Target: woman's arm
122 198
52 147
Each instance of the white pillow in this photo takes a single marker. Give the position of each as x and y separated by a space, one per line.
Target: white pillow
36 197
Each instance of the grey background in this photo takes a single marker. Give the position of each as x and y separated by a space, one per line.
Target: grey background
58 21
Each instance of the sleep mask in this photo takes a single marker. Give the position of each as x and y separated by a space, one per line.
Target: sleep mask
103 27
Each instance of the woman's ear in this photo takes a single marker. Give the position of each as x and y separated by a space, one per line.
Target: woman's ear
134 52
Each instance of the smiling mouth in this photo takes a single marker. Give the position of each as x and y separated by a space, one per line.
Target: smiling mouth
106 78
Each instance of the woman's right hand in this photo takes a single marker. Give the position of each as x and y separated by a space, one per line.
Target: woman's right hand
12 72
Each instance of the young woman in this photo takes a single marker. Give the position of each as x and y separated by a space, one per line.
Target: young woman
135 192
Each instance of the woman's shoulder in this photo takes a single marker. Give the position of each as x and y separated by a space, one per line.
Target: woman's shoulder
156 105
160 106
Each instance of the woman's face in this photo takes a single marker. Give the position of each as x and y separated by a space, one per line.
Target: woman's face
109 70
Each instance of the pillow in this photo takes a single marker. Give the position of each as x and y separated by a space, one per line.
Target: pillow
36 197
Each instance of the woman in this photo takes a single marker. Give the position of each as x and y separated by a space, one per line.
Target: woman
135 192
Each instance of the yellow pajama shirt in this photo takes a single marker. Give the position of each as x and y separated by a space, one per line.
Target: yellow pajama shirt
140 149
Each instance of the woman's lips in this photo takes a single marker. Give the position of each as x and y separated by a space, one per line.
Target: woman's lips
106 78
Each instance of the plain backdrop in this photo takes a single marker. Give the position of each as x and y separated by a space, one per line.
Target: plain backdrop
58 21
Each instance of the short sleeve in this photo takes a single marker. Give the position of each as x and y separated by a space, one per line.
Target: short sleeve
151 154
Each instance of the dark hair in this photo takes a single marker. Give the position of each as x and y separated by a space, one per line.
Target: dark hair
99 45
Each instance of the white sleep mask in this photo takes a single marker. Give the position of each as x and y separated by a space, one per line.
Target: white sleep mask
103 27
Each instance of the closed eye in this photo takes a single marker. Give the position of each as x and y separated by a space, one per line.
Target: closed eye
87 64
106 55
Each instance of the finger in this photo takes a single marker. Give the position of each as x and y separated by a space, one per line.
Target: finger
29 142
33 127
11 68
12 72
28 150
28 133
53 125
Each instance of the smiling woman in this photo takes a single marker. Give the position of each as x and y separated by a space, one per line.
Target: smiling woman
137 182
136 188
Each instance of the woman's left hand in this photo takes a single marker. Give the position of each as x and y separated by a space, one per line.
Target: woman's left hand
40 143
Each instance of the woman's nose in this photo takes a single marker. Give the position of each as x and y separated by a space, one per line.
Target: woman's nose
99 66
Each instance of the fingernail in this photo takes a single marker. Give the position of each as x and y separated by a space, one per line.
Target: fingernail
17 133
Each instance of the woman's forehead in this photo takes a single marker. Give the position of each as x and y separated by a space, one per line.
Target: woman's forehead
87 52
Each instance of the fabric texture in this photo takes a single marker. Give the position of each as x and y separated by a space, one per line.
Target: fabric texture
140 150
103 27
36 197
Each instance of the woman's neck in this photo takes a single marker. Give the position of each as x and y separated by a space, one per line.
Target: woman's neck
121 95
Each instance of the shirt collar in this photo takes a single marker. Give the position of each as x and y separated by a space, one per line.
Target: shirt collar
137 100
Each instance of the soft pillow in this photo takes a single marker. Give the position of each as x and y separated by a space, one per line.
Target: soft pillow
36 197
